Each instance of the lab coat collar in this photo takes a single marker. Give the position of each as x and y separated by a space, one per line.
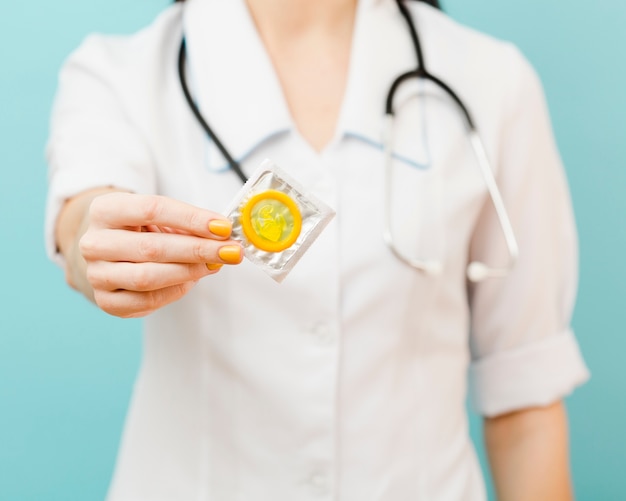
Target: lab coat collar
382 50
232 78
238 92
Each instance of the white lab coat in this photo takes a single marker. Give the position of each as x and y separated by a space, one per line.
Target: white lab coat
348 381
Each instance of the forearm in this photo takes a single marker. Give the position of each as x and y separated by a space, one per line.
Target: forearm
528 454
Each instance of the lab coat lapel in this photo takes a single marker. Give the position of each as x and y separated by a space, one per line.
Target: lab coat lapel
381 51
232 78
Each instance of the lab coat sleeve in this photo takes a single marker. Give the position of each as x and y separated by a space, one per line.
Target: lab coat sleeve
93 141
524 353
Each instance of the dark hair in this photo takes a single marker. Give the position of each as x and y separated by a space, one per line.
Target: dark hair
434 3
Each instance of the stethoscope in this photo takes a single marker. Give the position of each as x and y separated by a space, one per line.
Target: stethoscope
476 270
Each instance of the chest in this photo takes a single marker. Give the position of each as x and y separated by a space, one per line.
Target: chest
313 75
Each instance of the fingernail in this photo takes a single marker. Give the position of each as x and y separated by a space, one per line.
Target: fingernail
220 227
230 254
214 266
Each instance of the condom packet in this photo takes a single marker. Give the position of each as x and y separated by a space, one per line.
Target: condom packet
276 220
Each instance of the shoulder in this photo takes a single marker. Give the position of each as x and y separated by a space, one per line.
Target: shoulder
440 32
123 74
143 52
490 74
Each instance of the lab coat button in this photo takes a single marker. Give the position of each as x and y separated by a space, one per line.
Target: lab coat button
318 483
323 332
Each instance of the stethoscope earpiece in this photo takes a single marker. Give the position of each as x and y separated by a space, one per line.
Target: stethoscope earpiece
477 272
433 268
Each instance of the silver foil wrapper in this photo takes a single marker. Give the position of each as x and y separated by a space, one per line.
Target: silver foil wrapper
314 215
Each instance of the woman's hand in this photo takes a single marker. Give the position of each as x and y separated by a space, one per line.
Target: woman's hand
138 253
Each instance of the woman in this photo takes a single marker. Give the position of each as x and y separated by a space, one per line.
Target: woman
347 381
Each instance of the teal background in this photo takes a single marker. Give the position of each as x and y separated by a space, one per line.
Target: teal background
65 378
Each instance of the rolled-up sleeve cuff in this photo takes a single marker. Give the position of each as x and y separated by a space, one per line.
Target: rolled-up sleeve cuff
534 375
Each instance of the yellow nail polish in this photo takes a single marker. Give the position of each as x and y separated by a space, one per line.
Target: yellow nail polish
230 254
214 266
221 227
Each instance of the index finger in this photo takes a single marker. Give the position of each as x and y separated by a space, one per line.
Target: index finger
123 210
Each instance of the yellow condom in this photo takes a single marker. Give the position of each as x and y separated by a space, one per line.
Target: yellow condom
271 221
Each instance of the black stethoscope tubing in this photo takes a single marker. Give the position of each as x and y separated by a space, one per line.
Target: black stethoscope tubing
196 111
419 72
